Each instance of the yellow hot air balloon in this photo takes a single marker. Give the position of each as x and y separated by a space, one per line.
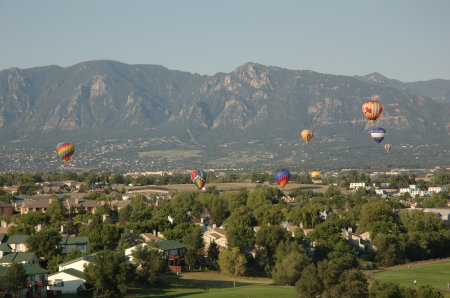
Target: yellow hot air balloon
315 174
307 135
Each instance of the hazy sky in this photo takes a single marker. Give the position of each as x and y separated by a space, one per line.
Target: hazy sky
407 40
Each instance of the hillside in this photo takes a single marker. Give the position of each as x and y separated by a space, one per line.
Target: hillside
124 116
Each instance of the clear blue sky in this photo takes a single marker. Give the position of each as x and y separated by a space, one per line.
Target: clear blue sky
407 40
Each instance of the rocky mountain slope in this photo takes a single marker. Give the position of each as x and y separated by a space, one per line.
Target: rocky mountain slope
250 117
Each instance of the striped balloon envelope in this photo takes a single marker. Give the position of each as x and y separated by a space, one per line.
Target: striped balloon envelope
65 151
378 134
282 177
388 148
372 110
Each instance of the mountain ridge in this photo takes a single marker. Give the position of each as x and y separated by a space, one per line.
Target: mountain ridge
92 100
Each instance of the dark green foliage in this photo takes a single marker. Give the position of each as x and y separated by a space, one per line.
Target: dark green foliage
240 236
191 258
262 195
309 285
213 252
271 236
218 210
45 243
109 274
14 278
53 263
393 290
149 262
288 269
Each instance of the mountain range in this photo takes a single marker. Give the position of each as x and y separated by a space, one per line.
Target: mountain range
147 117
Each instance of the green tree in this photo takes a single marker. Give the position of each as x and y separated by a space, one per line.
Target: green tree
309 285
73 254
240 236
289 268
150 264
35 218
217 211
53 263
191 258
14 278
389 251
261 196
56 211
269 214
240 217
194 239
374 212
213 252
232 263
109 275
385 289
271 236
45 243
351 284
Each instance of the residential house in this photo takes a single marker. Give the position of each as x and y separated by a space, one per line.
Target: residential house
77 264
437 189
173 251
67 281
36 205
11 188
120 204
148 237
6 209
18 242
442 213
68 243
218 235
292 229
76 204
361 242
37 280
19 257
202 222
4 249
357 185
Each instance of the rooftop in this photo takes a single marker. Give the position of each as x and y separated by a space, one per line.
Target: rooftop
17 257
17 239
30 269
73 272
67 240
169 244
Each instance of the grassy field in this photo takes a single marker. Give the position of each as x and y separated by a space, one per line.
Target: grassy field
234 186
192 285
436 275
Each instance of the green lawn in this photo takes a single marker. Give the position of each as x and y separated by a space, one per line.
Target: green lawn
435 275
192 285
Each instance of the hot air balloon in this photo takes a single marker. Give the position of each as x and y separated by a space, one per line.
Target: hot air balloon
388 148
378 134
65 151
307 135
372 110
198 178
315 174
282 177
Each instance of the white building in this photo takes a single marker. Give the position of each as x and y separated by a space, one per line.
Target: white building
437 189
357 185
77 264
67 281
